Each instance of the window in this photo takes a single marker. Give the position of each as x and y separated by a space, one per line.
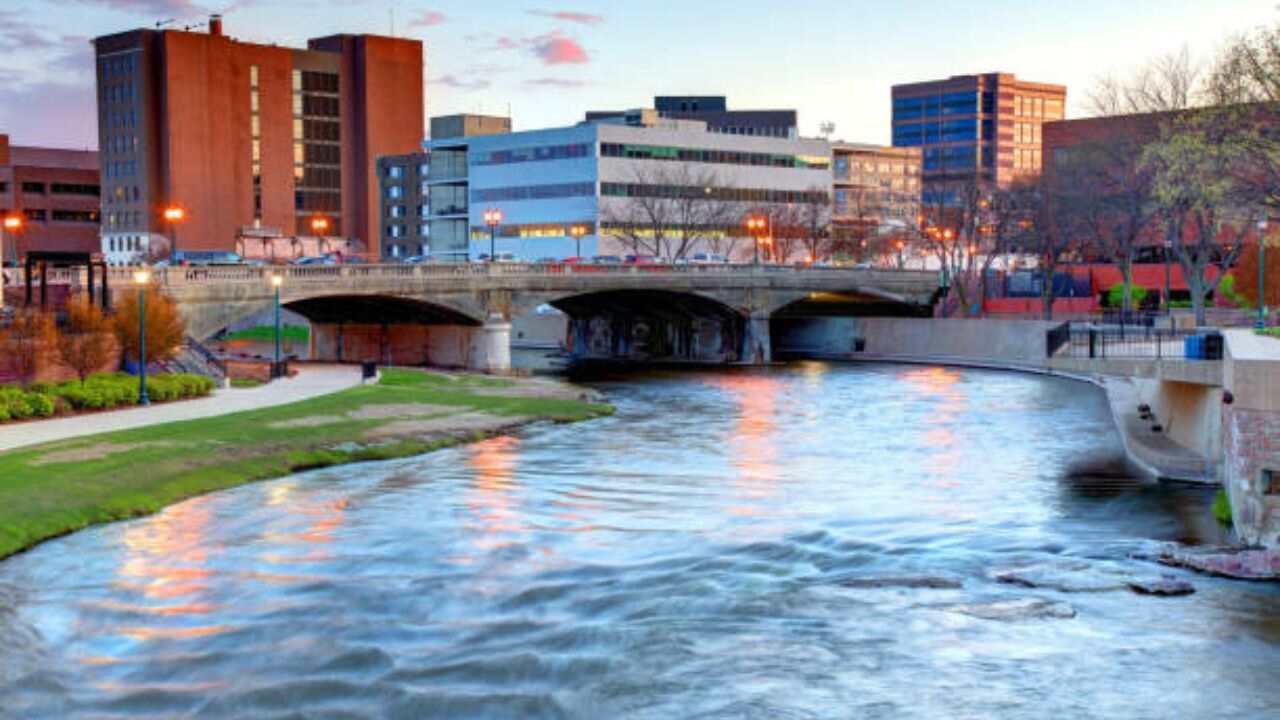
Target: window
396 211
253 101
35 215
253 76
534 192
1271 482
33 188
395 192
4 187
395 171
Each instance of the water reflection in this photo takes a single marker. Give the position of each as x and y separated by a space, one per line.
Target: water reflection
692 556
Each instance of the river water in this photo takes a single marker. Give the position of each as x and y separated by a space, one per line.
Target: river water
781 543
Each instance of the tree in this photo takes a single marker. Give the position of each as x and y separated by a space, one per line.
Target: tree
1243 89
1199 197
165 329
28 342
84 344
1246 275
1113 186
670 211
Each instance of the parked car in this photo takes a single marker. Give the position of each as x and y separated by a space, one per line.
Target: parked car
417 259
502 257
606 260
640 260
314 260
862 266
205 257
702 258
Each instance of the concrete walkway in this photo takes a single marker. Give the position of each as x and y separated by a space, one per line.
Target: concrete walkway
311 381
1155 453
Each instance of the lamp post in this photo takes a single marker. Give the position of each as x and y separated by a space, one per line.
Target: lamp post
1262 274
174 215
141 278
577 232
758 226
493 218
319 226
276 281
12 224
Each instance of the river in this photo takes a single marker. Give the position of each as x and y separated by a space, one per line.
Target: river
810 541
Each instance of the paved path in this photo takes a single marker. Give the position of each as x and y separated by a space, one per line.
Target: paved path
1157 453
311 381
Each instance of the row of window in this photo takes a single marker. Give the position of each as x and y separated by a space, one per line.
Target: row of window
776 131
124 244
397 172
118 119
118 92
964 103
532 154
534 192
399 231
1026 133
915 134
41 215
725 194
951 158
117 66
39 188
123 194
845 167
123 219
1048 108
718 157
1026 159
531 230
120 168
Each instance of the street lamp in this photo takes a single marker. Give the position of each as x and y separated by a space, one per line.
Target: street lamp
493 218
141 278
1168 277
174 215
320 228
759 228
577 232
12 224
276 281
1262 274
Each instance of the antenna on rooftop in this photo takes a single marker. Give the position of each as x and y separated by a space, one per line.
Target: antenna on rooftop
826 129
162 23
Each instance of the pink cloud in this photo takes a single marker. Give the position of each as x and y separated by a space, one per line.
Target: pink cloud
555 82
428 19
178 8
570 16
456 82
555 49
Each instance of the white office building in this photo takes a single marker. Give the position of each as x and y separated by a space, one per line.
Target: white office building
609 187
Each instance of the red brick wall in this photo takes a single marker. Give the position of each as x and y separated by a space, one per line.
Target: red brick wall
1251 441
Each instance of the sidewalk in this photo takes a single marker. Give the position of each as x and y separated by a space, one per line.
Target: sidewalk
311 381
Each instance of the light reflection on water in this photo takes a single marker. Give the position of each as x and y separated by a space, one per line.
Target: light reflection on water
684 558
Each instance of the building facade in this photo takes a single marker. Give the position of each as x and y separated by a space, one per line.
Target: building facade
594 177
55 192
984 128
875 187
248 139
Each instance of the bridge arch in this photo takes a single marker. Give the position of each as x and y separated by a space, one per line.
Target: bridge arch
642 325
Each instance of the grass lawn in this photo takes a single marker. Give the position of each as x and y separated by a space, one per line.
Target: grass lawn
53 489
267 333
1270 332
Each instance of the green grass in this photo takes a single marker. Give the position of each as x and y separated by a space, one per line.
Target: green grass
267 333
162 464
244 383
1269 332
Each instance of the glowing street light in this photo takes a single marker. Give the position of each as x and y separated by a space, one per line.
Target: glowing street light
12 224
141 278
759 226
320 225
493 218
276 281
173 215
577 232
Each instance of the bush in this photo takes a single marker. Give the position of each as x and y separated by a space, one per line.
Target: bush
1115 296
97 392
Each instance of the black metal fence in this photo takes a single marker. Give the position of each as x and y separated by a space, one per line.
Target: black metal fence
1129 341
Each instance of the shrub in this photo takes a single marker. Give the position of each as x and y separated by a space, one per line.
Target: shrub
1115 296
41 404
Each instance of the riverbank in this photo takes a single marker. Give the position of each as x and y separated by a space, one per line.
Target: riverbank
56 488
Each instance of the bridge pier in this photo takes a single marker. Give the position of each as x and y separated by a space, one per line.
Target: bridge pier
491 346
757 345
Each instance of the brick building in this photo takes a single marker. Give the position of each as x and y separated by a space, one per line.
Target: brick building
975 127
875 186
248 139
56 193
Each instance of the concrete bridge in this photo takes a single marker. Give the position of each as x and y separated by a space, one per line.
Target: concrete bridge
460 315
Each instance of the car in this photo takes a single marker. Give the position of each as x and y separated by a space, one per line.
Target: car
606 260
640 260
417 259
547 260
502 257
702 258
862 266
314 260
205 257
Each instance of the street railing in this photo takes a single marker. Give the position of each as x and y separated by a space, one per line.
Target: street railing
1117 341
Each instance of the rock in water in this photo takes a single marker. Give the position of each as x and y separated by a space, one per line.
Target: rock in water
928 582
1163 586
1019 609
1070 579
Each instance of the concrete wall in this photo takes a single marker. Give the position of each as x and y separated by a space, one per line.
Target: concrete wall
439 345
1018 342
1190 413
1251 435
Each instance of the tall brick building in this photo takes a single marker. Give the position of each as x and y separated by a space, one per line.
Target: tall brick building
248 139
985 127
55 192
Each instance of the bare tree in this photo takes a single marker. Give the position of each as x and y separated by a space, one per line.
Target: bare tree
669 211
1167 83
84 344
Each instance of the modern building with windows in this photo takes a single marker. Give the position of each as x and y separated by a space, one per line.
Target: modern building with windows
874 186
406 184
591 177
984 128
249 139
55 192
714 111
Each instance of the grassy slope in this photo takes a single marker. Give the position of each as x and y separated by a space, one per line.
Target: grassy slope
180 460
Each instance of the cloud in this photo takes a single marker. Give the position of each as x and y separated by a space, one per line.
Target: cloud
564 83
429 18
16 34
165 8
454 81
570 16
552 48
50 114
555 49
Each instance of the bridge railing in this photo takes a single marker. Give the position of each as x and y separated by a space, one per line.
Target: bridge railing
234 274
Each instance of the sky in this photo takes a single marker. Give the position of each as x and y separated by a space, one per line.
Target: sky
550 62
